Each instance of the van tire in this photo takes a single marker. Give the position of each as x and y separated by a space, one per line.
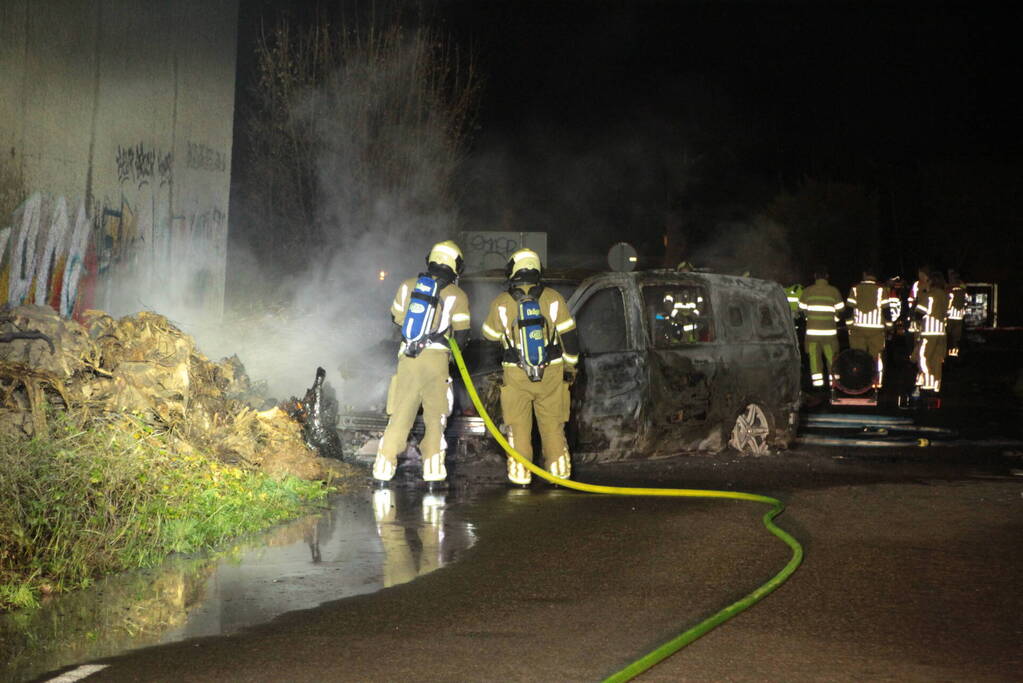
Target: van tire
752 431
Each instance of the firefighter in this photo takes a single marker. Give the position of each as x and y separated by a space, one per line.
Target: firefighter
540 342
919 285
956 312
870 304
687 314
666 324
917 289
792 293
931 314
678 318
429 309
821 304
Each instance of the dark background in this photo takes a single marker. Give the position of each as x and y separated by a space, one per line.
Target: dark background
633 120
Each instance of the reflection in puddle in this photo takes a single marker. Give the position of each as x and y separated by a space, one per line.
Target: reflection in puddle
365 542
411 547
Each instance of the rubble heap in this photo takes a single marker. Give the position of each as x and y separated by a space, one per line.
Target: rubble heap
144 365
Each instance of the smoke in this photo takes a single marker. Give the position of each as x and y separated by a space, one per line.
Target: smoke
588 189
334 313
759 246
383 150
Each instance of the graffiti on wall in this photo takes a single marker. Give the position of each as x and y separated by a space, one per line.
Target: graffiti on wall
172 260
122 253
44 254
203 157
491 249
103 255
141 165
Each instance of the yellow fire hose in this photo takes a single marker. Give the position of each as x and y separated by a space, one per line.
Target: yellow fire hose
691 634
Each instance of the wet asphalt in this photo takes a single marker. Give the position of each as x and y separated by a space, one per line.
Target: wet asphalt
912 572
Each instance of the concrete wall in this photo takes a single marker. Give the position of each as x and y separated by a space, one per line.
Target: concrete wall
123 109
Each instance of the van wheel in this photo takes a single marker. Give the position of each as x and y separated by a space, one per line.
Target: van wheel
751 431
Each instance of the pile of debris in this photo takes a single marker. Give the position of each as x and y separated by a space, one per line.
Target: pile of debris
144 365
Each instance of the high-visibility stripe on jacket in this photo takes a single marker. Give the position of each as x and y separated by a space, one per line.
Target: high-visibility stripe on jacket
933 304
821 303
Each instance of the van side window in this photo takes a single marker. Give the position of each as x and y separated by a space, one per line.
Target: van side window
739 314
677 315
601 322
735 316
769 325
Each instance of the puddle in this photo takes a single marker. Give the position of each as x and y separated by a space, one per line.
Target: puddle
365 542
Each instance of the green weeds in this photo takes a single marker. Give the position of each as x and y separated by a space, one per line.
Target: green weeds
88 500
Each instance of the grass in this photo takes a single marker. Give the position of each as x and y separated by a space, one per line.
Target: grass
86 500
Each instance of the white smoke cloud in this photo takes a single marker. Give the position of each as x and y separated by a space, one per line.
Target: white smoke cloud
384 164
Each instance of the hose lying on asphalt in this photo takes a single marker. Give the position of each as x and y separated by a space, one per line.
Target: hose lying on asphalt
858 419
815 440
881 430
691 634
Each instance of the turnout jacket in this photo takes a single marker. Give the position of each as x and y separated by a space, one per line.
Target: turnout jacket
501 325
870 305
821 303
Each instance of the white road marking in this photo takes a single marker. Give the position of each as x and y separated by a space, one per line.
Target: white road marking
78 674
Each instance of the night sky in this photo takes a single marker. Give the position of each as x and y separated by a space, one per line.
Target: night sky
853 80
592 112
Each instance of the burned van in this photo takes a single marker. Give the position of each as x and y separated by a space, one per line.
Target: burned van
670 362
674 362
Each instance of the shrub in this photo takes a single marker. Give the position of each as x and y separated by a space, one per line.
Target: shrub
89 499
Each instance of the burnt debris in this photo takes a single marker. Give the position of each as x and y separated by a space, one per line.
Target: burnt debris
317 413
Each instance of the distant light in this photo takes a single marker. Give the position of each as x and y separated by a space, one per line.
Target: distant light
383 275
632 259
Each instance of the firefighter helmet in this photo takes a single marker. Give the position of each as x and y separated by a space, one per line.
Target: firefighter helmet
448 254
524 265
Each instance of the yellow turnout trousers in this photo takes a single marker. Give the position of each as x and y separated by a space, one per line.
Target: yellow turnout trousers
423 380
549 399
816 347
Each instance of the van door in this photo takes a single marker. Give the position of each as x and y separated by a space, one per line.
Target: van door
683 360
607 399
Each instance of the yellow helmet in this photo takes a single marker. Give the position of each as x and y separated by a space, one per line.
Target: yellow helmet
522 260
448 254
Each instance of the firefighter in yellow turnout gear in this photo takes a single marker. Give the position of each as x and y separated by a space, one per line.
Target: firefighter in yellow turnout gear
429 309
870 304
957 299
540 343
931 312
821 304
